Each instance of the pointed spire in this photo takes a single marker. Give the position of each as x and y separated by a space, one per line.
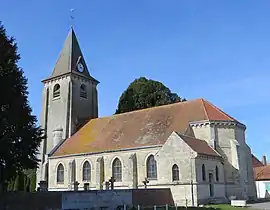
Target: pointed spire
71 59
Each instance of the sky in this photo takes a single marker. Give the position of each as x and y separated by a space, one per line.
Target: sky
216 50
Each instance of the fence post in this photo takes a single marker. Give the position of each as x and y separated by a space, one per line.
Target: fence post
139 207
155 207
125 207
167 207
175 206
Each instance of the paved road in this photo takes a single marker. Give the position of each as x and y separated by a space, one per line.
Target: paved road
260 206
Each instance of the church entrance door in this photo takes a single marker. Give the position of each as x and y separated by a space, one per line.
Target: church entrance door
211 185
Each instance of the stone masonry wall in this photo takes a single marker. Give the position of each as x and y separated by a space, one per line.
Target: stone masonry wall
230 143
108 159
174 151
203 187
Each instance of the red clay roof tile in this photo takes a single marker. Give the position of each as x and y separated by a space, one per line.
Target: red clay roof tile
262 173
256 162
198 145
214 113
140 128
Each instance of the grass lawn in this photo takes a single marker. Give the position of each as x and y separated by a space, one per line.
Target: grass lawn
227 207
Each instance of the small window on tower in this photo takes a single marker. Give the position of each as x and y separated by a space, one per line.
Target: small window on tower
83 92
56 91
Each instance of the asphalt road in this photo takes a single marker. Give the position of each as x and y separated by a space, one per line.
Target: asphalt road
260 206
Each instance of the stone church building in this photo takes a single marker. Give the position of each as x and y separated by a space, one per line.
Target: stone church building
192 147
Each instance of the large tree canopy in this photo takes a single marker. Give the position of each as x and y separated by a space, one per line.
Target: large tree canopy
19 134
145 93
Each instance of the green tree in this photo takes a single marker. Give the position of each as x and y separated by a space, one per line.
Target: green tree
19 134
19 184
27 183
31 179
145 93
32 183
10 185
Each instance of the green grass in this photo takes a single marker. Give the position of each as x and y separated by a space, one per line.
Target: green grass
228 207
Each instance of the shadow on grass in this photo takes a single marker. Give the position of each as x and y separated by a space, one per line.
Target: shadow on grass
178 208
262 200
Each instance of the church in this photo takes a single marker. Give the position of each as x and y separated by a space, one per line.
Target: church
192 147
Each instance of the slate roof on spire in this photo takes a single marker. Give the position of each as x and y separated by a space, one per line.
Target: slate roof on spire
69 58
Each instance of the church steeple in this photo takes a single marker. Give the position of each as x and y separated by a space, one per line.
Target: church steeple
71 59
69 99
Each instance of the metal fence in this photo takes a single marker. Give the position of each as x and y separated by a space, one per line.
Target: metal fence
138 207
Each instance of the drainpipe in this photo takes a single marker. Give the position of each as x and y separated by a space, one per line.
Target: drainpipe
192 193
191 180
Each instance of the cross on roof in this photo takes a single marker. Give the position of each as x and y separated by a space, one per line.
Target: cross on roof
112 180
145 182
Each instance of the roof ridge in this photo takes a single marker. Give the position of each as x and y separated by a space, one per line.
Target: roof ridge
70 50
155 107
217 109
206 113
181 134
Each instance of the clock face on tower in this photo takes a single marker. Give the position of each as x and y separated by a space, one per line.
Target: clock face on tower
80 67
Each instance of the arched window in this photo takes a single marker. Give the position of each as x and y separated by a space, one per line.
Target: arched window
175 173
217 174
60 174
83 92
117 170
151 167
56 91
203 172
86 171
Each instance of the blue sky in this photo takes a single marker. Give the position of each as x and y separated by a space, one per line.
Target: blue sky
217 50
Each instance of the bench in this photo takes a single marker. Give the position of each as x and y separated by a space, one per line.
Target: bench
239 203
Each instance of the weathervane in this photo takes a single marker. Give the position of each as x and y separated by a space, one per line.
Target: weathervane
71 17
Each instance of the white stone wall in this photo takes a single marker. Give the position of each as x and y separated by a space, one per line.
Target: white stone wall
83 107
174 151
246 165
57 110
202 131
108 159
65 111
204 186
231 144
190 188
54 115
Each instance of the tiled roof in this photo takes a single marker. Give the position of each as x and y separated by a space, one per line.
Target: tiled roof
198 145
262 173
256 162
140 128
214 113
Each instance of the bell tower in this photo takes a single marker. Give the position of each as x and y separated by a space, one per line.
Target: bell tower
69 100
